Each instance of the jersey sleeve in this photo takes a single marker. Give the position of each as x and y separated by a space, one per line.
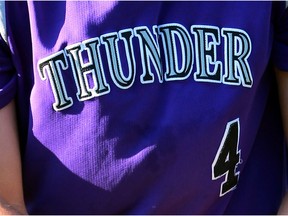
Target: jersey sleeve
280 48
8 76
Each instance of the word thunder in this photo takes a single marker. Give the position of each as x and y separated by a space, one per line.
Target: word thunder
167 52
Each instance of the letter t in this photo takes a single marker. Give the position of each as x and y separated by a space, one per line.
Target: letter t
53 65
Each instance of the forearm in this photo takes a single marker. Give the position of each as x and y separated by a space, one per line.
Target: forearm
282 80
283 210
11 192
11 209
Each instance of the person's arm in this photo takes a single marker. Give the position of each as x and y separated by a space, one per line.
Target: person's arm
282 79
11 191
283 210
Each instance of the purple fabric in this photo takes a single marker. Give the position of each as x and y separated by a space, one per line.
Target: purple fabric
124 107
8 76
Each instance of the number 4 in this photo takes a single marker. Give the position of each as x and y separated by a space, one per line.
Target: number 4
228 158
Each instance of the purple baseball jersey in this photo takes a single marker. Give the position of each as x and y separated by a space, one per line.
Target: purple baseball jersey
146 107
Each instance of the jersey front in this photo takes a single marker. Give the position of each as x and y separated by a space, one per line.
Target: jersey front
145 107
